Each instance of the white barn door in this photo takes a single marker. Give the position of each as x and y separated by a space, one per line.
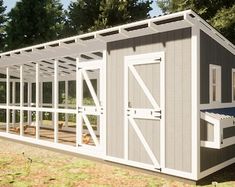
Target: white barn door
91 88
144 109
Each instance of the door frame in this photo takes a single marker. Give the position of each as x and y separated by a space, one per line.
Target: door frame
100 110
146 58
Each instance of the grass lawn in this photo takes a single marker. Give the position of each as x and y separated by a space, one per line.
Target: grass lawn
22 165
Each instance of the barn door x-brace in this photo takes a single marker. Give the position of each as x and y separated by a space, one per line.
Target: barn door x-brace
88 71
154 112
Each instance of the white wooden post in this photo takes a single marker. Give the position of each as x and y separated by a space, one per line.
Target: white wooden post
79 91
98 88
7 99
37 99
29 102
66 103
102 95
41 99
21 101
52 98
55 101
13 102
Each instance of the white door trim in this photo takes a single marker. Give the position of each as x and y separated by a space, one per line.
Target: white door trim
98 109
149 58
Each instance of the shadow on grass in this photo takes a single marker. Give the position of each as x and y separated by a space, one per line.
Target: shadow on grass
225 175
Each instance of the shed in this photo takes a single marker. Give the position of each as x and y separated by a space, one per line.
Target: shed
157 94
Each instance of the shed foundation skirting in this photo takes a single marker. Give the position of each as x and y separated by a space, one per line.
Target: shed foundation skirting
135 94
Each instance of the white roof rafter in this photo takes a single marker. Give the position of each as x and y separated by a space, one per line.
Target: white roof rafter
86 45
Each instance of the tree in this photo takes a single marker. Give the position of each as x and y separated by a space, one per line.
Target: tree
219 13
224 21
32 22
115 12
89 15
2 25
81 16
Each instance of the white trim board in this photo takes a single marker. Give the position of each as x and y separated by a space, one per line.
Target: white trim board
86 151
216 105
195 97
63 47
98 109
218 125
168 171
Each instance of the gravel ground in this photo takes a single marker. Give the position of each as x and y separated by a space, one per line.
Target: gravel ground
23 166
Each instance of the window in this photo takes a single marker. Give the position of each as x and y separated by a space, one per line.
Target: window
233 84
215 83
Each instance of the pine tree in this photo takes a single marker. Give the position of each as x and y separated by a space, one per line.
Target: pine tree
89 15
32 22
82 15
224 21
219 13
2 25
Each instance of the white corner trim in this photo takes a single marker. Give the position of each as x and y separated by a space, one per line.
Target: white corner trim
195 82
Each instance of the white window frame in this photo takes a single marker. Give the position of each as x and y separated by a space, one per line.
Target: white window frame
217 84
233 85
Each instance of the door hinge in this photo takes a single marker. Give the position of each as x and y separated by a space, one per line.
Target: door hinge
159 169
158 59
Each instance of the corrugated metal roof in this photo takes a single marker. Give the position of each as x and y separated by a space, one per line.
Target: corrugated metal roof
221 113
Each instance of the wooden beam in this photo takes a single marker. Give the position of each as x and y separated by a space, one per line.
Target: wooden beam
55 101
13 101
66 102
37 99
29 102
21 101
79 91
7 98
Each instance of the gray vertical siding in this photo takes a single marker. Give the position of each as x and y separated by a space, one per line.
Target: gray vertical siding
229 132
177 47
213 157
213 53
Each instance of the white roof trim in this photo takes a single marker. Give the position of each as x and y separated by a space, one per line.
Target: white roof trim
73 46
208 29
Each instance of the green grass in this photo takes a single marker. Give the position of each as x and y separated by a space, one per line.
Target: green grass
39 167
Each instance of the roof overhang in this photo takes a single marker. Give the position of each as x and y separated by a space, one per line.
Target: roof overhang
91 45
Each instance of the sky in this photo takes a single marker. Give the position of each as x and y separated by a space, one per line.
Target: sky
11 3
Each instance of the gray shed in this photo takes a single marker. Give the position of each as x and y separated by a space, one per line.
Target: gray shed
157 94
